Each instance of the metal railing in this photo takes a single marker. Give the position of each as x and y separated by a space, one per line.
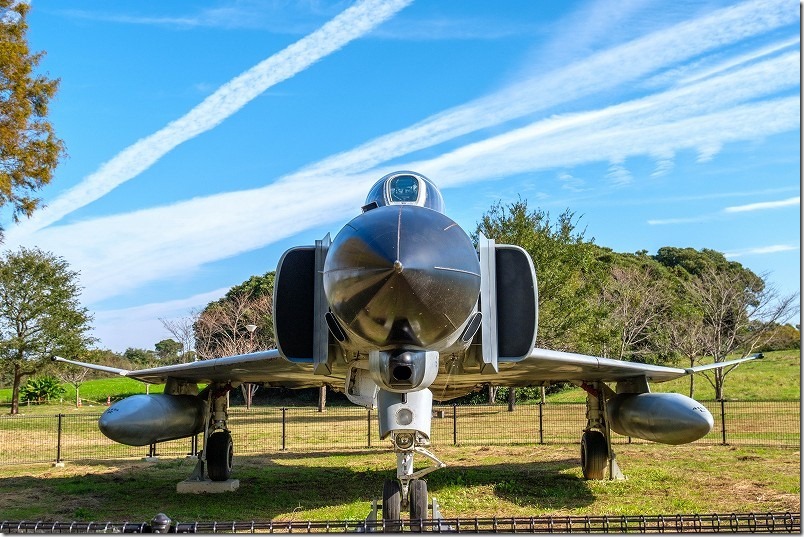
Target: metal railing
34 439
694 523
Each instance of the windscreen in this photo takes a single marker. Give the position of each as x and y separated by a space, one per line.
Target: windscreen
404 188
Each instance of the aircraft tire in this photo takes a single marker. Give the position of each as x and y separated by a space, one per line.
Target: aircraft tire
594 455
418 499
220 452
392 505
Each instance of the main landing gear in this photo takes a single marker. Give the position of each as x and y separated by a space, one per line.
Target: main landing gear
217 453
596 453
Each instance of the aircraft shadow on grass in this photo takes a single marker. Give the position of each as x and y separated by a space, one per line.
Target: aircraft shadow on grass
273 486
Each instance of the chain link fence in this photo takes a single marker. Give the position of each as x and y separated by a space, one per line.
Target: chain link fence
75 437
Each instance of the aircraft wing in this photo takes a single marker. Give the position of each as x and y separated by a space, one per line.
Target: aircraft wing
545 364
266 367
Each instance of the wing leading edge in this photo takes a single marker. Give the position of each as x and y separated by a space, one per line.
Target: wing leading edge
267 367
545 364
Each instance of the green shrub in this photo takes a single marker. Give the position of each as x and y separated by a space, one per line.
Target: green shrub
41 389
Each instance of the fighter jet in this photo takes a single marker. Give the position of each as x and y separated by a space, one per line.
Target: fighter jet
400 309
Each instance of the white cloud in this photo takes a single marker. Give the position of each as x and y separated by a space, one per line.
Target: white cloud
594 73
121 252
138 326
762 206
765 205
228 99
763 250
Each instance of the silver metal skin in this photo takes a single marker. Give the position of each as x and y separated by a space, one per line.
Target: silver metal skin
141 420
667 418
402 276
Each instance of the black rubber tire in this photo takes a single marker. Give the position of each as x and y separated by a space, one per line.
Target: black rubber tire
392 505
220 453
417 495
594 455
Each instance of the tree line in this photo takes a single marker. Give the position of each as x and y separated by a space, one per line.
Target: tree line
680 304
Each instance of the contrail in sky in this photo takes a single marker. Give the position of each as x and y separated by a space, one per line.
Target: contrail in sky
351 24
764 205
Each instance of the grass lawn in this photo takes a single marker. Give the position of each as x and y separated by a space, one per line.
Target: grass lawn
776 377
519 480
479 481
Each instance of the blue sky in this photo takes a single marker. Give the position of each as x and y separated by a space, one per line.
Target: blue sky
205 138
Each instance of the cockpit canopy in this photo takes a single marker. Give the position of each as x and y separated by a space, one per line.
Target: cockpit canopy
405 188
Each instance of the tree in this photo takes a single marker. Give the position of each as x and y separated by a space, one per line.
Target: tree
686 336
75 377
140 357
637 300
738 312
569 269
183 330
221 328
40 314
29 148
782 337
168 350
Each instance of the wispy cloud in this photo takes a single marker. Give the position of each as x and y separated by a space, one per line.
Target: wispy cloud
634 128
592 74
120 253
764 205
228 99
117 325
763 250
289 18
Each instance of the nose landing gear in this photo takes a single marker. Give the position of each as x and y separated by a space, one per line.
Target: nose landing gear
408 491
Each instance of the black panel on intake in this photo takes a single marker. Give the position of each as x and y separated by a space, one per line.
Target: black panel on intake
294 303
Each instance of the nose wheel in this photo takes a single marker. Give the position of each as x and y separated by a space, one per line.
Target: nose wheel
392 505
417 499
392 502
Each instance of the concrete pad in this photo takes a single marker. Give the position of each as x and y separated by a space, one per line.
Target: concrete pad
207 487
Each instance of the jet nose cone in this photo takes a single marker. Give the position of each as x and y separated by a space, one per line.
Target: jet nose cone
402 275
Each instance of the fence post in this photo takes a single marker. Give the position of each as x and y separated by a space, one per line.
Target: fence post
454 424
723 419
58 439
368 427
541 422
284 426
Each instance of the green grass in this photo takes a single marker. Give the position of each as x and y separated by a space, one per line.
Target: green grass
93 394
479 481
777 377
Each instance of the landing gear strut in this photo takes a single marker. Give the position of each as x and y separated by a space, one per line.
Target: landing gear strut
596 452
406 419
217 453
